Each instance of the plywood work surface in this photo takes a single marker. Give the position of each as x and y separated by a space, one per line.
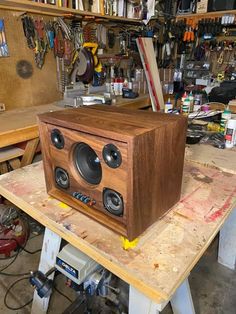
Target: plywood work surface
165 253
20 125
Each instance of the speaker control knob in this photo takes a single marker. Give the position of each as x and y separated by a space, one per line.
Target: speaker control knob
86 200
83 197
92 202
77 195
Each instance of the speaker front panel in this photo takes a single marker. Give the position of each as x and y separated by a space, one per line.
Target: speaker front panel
87 168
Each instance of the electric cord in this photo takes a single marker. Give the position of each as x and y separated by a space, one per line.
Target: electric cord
8 257
11 262
14 258
8 291
61 293
14 275
26 276
20 246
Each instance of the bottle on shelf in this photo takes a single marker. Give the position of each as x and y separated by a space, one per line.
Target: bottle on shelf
168 106
191 99
230 133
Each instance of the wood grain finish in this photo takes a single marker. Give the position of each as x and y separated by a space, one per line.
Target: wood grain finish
149 178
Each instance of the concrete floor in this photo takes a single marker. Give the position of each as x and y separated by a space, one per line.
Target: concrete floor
213 286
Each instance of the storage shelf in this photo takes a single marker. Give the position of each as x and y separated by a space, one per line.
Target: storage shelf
199 16
54 10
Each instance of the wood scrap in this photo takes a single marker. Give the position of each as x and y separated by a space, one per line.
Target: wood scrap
147 54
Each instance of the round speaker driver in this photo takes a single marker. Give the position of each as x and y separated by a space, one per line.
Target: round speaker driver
57 139
112 156
87 163
62 178
113 202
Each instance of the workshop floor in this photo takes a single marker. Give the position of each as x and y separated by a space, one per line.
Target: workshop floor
212 285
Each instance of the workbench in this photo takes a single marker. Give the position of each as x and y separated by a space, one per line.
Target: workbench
20 125
157 269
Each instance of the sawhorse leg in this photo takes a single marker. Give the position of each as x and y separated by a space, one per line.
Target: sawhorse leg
227 242
51 247
181 302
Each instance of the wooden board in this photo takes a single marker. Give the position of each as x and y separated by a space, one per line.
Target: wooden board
147 55
15 91
141 102
11 152
200 16
21 124
165 253
54 10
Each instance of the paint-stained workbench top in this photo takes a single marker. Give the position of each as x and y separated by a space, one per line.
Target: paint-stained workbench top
165 253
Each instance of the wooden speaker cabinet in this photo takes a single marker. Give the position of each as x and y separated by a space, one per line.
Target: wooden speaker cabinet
120 167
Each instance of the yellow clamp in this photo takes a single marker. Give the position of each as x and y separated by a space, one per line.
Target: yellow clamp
97 63
94 48
126 244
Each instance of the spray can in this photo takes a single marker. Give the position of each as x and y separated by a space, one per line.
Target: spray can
191 99
186 106
197 102
225 116
230 133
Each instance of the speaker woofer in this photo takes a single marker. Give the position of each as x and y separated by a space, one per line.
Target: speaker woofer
57 139
112 156
113 202
62 178
87 163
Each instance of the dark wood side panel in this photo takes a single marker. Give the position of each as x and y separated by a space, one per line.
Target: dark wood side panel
158 159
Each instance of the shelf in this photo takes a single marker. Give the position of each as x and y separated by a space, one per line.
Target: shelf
53 10
200 16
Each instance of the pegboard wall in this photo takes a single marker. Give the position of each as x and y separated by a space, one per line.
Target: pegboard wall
41 87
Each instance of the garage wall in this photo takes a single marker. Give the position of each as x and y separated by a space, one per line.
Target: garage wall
41 87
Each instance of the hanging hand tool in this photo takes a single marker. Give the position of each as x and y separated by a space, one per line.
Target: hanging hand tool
50 34
28 27
4 52
189 35
41 45
39 27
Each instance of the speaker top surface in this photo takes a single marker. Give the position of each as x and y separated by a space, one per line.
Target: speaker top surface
117 121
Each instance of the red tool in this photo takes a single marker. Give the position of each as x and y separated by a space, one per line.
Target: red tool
39 26
13 230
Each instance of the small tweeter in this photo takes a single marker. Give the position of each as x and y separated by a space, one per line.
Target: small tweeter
113 202
112 156
62 178
57 139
